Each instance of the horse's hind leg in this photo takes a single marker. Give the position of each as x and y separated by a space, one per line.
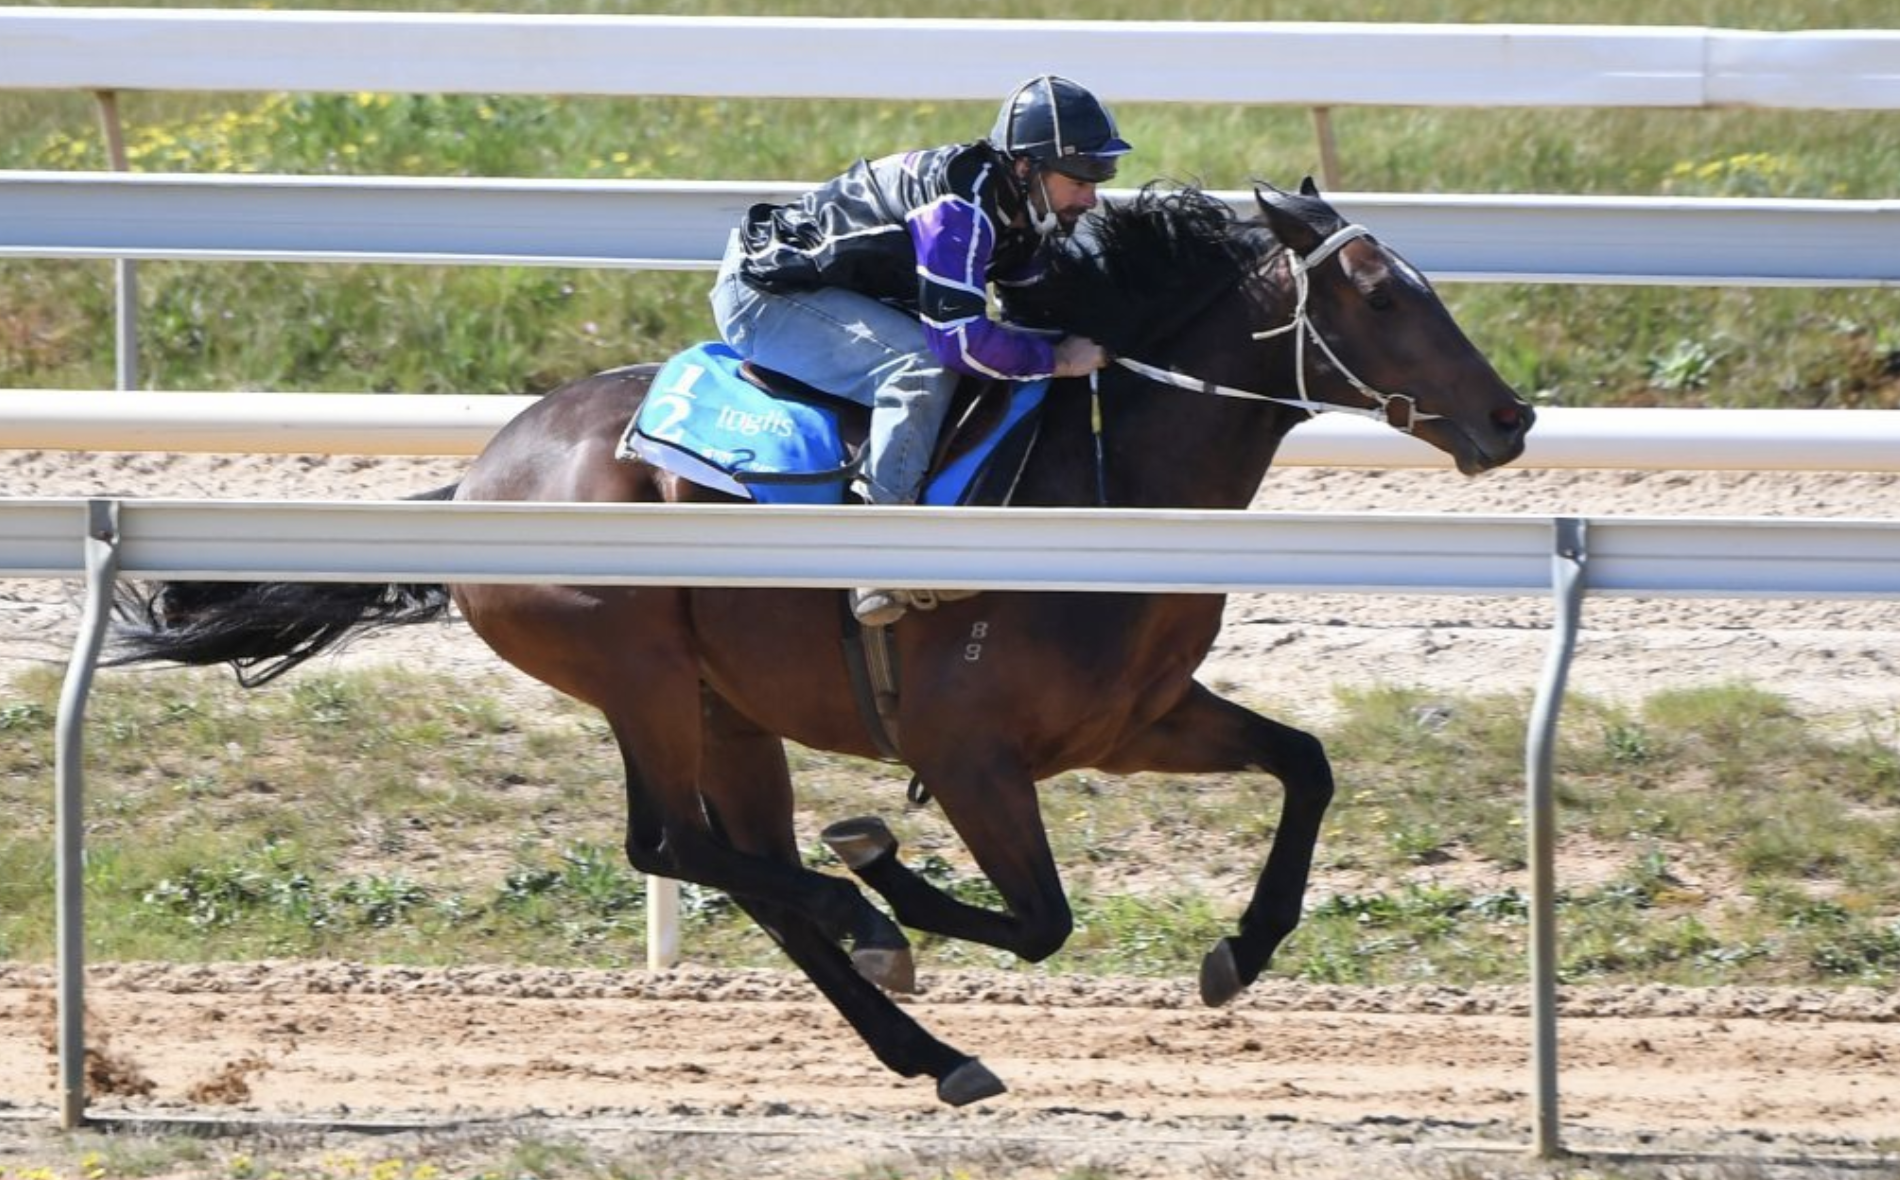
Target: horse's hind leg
899 1042
744 777
1205 734
748 796
669 834
629 654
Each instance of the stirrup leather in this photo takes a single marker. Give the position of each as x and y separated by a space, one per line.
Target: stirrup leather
932 599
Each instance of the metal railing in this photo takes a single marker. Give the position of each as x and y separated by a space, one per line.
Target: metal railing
992 549
683 225
104 50
1308 64
1625 439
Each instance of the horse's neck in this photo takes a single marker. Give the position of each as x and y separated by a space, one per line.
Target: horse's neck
1166 447
1178 449
1160 447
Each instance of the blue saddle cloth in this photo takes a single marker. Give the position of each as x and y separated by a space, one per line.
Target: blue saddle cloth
706 423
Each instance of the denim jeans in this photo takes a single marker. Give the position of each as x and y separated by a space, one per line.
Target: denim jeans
854 347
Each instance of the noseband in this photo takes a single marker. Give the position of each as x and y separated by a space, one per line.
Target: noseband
1303 331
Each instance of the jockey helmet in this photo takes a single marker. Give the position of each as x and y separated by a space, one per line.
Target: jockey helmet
1059 126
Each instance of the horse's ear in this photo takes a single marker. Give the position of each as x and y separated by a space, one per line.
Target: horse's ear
1308 188
1283 218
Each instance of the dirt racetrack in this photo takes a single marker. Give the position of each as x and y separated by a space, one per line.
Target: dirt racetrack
701 1073
1131 1077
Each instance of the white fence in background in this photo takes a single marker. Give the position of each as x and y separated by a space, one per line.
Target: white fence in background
1304 64
664 224
1653 439
1318 65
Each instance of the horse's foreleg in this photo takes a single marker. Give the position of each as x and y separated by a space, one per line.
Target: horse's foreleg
748 799
997 817
1205 734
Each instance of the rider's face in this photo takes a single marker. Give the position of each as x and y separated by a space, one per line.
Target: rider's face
1066 196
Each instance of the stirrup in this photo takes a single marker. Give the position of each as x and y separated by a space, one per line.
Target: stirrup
874 606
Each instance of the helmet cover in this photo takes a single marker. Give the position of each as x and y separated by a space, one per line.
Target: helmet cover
1061 126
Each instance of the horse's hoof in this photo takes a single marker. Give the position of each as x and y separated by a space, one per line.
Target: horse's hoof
859 841
893 970
970 1082
1220 975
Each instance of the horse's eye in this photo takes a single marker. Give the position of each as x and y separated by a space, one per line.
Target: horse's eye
1379 298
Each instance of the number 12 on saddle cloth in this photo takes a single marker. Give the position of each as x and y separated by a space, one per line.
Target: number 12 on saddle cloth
705 422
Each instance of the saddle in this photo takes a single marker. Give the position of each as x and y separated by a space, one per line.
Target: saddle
719 422
722 423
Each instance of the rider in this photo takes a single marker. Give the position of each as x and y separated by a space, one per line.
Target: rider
874 286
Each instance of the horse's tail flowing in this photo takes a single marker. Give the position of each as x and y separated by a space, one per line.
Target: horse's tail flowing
262 629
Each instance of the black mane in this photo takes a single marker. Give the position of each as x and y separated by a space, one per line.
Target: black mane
1134 267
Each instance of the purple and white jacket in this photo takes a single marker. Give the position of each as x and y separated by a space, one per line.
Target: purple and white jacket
926 231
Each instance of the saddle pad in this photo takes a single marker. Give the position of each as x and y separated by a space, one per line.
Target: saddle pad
958 480
706 423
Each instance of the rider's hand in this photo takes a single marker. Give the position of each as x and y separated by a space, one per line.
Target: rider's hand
1078 356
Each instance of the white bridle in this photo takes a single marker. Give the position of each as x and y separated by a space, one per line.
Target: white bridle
1303 331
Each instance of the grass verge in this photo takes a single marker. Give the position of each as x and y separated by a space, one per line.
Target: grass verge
1711 836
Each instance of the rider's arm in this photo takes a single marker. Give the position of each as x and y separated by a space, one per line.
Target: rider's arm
953 241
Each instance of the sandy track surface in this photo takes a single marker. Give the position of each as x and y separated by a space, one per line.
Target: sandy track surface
727 1073
1129 1075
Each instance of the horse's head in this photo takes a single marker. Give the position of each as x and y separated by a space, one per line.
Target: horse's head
1373 334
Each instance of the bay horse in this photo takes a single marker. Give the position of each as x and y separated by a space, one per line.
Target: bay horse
702 686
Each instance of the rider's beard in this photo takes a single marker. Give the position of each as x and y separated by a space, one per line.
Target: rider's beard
1067 216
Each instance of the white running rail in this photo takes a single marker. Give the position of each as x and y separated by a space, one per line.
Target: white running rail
1294 63
1647 439
682 225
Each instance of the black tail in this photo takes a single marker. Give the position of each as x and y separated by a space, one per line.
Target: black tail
262 629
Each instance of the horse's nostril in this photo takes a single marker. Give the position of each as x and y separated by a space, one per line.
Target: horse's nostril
1510 419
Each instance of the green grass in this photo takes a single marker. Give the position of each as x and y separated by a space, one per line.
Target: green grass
475 330
1709 836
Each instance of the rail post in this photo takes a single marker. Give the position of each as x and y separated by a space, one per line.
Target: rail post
1328 148
1540 822
663 923
102 567
125 271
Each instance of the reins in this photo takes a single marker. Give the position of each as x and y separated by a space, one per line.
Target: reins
1303 331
